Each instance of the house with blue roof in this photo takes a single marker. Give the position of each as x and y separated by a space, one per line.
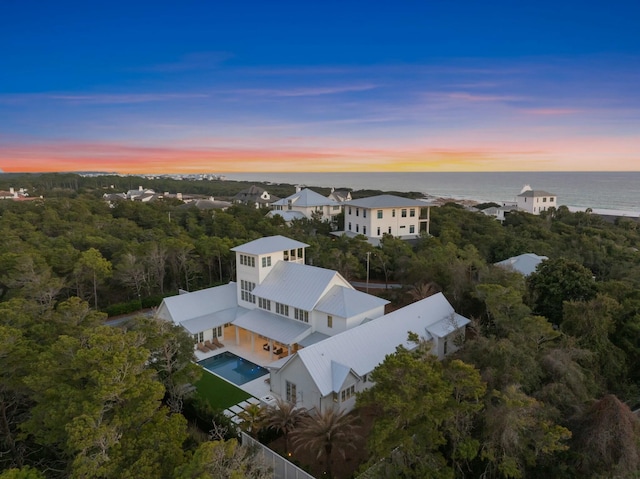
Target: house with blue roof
306 203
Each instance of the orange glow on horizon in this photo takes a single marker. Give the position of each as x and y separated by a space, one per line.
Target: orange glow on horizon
559 155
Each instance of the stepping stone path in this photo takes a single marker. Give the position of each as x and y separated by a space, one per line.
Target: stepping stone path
234 411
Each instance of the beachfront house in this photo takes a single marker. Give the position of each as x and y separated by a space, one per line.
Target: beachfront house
330 373
376 216
306 203
535 201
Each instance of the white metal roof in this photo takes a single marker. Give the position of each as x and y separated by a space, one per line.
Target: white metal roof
298 285
348 302
200 303
524 264
283 330
387 201
313 338
364 347
305 198
535 193
212 320
448 325
270 244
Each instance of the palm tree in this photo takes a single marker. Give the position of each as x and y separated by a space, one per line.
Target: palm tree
323 431
252 418
284 417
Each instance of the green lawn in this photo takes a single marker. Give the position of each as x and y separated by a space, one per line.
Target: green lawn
218 392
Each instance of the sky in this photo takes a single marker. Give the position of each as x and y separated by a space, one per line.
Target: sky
217 86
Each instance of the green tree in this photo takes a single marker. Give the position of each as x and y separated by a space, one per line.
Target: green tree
223 459
92 268
284 417
325 432
556 281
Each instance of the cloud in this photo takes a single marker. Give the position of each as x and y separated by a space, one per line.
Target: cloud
551 111
306 91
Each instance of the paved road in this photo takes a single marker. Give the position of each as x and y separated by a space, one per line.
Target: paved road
363 284
118 320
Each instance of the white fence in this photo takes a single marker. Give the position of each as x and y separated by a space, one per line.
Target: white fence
282 469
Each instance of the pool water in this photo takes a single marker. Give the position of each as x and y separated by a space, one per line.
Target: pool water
233 368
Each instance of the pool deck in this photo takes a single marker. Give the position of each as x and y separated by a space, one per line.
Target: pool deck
258 388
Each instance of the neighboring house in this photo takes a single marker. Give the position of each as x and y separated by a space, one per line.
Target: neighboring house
376 216
206 204
139 194
535 201
12 194
276 298
500 212
330 373
255 196
340 195
308 204
524 264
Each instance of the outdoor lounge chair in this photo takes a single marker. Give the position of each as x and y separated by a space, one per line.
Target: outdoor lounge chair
265 346
209 345
217 342
278 351
203 348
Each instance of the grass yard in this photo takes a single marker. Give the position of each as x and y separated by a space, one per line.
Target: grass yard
218 392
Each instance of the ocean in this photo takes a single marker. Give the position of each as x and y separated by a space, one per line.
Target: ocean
619 191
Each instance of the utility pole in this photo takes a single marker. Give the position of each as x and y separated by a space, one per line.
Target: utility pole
368 255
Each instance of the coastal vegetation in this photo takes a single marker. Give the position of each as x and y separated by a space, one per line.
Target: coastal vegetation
544 386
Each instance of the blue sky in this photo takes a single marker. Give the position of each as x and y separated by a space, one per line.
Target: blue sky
319 86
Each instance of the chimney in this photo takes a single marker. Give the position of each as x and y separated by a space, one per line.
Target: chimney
297 189
139 188
11 190
179 196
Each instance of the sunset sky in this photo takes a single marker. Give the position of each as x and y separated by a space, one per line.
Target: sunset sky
220 87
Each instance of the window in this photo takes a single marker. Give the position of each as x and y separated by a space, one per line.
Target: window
357 228
379 214
357 211
301 315
348 393
349 209
402 226
245 294
329 321
300 252
378 231
291 392
364 229
335 208
551 199
349 225
403 212
217 332
544 200
285 255
282 309
389 229
412 229
195 338
393 213
264 304
201 336
266 261
364 213
247 260
412 213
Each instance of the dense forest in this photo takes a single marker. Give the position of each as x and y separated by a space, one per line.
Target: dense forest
543 387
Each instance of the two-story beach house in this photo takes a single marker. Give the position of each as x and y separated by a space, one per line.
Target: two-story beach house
535 201
376 216
322 337
306 203
255 196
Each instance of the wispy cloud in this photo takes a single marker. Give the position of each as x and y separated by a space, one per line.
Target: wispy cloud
190 62
306 91
101 98
551 111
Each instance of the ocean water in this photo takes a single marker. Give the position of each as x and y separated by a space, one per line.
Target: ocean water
598 190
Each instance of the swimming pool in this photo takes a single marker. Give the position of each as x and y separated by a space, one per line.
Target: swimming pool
233 368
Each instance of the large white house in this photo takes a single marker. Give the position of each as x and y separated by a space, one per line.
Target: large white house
535 201
376 216
525 264
306 203
323 337
276 299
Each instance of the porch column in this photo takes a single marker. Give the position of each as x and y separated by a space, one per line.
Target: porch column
271 350
237 336
252 342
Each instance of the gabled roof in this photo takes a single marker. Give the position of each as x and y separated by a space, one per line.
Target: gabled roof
305 198
198 304
298 285
366 346
525 263
347 302
387 201
270 244
254 193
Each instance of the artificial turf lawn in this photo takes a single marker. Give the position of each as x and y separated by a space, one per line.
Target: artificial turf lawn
218 392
